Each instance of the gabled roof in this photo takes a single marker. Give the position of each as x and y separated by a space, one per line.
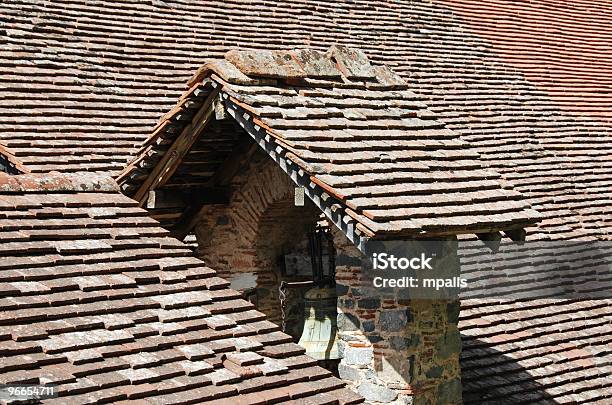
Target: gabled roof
95 297
351 133
526 83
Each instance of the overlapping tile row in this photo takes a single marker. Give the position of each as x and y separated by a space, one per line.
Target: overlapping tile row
562 47
360 135
81 60
95 297
93 79
535 322
74 61
541 352
553 156
559 160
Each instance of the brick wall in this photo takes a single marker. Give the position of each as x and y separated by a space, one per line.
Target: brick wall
244 240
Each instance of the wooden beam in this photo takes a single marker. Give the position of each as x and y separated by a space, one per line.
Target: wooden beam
168 164
491 239
517 235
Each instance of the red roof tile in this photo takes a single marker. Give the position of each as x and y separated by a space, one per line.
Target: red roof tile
97 298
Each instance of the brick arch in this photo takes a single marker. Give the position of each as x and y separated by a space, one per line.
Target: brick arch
243 240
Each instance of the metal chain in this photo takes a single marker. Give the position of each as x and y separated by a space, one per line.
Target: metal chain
282 296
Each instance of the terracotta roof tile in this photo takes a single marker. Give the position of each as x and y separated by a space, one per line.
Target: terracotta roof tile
112 330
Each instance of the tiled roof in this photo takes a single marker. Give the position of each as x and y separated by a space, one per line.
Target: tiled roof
527 83
536 323
352 130
95 297
548 352
560 46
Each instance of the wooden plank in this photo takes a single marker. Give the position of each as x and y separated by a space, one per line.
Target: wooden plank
179 148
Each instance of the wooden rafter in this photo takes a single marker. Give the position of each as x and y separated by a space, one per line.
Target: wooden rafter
173 157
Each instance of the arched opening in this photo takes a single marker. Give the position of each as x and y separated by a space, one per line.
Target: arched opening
262 239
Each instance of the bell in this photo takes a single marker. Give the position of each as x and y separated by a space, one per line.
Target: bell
319 336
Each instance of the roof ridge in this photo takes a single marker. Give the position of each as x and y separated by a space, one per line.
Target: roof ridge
269 67
58 182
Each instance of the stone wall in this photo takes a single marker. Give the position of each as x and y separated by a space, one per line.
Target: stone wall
395 350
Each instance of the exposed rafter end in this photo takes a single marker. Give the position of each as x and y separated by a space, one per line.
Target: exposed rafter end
170 161
491 239
517 235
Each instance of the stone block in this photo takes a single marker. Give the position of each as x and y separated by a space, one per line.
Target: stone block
359 356
369 303
403 343
368 326
449 392
374 338
349 373
376 393
434 372
449 344
452 311
348 322
394 320
346 303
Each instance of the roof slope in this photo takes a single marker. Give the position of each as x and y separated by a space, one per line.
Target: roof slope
109 70
563 47
548 351
350 131
96 298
